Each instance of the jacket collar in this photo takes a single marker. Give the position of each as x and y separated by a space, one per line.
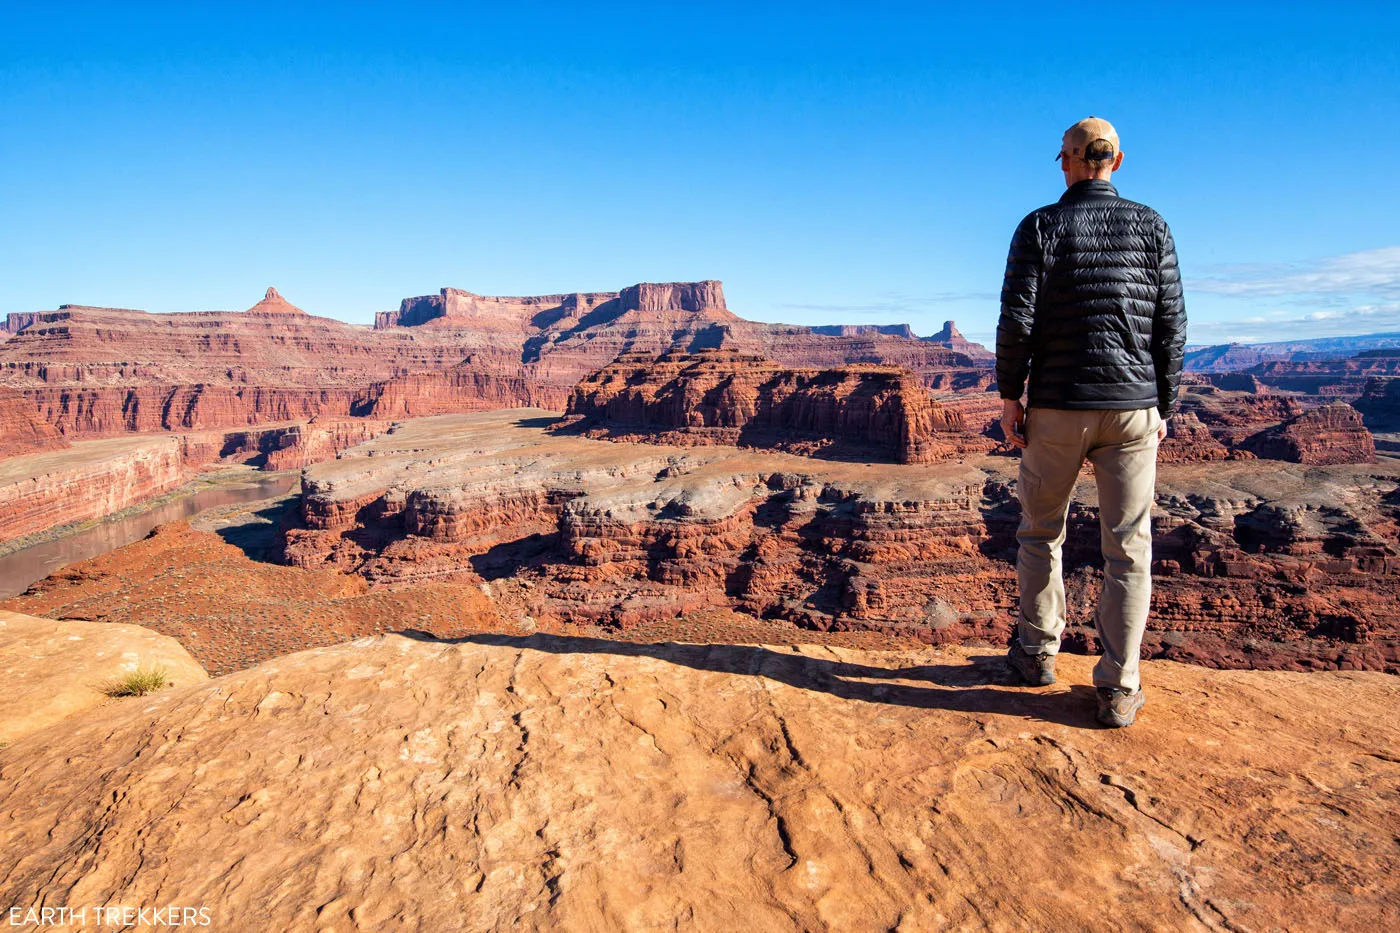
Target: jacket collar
1089 188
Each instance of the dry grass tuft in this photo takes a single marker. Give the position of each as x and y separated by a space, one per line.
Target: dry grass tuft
139 682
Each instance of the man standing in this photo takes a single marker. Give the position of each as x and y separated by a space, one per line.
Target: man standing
1092 313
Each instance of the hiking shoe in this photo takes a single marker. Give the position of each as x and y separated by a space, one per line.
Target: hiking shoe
1037 670
1119 708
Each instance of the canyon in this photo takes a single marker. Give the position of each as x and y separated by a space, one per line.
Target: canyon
1291 567
284 388
96 478
539 543
832 480
94 372
86 481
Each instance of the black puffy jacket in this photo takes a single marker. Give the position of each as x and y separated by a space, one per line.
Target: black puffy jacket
1091 306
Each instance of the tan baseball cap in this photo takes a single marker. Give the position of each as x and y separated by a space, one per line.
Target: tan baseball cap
1078 137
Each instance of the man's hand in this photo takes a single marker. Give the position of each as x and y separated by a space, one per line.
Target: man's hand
1013 422
1162 431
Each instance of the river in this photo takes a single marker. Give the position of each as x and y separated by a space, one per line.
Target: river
21 568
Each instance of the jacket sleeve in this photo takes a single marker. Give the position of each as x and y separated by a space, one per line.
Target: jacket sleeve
1018 297
1168 324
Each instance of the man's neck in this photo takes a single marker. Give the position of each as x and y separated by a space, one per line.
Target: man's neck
1072 180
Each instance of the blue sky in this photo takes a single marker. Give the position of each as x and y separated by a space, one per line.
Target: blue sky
859 163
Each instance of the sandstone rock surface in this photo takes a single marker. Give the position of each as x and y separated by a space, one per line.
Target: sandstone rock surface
301 445
1189 441
207 583
1379 404
547 783
863 330
231 612
274 303
53 669
464 387
949 336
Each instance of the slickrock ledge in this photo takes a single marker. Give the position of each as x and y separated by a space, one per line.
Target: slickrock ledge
572 784
55 669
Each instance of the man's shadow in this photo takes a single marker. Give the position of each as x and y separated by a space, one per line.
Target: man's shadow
983 685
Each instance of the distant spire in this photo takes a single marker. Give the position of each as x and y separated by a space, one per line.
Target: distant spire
273 303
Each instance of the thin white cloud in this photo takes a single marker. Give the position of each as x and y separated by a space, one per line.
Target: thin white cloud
1380 317
1373 272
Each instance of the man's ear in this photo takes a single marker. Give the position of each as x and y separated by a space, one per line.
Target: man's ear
1118 161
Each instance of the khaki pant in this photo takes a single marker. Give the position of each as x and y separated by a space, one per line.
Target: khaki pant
1122 446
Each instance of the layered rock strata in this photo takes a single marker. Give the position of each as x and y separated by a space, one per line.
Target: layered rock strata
208 583
723 396
1284 567
101 371
91 480
1330 434
949 336
464 387
1189 441
301 445
1216 423
1379 404
232 612
21 430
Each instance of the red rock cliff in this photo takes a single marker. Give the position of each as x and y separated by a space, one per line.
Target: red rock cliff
95 371
1327 435
723 396
100 478
21 430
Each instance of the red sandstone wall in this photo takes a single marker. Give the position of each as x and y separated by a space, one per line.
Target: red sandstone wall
735 398
21 430
99 477
101 371
107 411
459 389
723 396
115 474
1328 435
1270 588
